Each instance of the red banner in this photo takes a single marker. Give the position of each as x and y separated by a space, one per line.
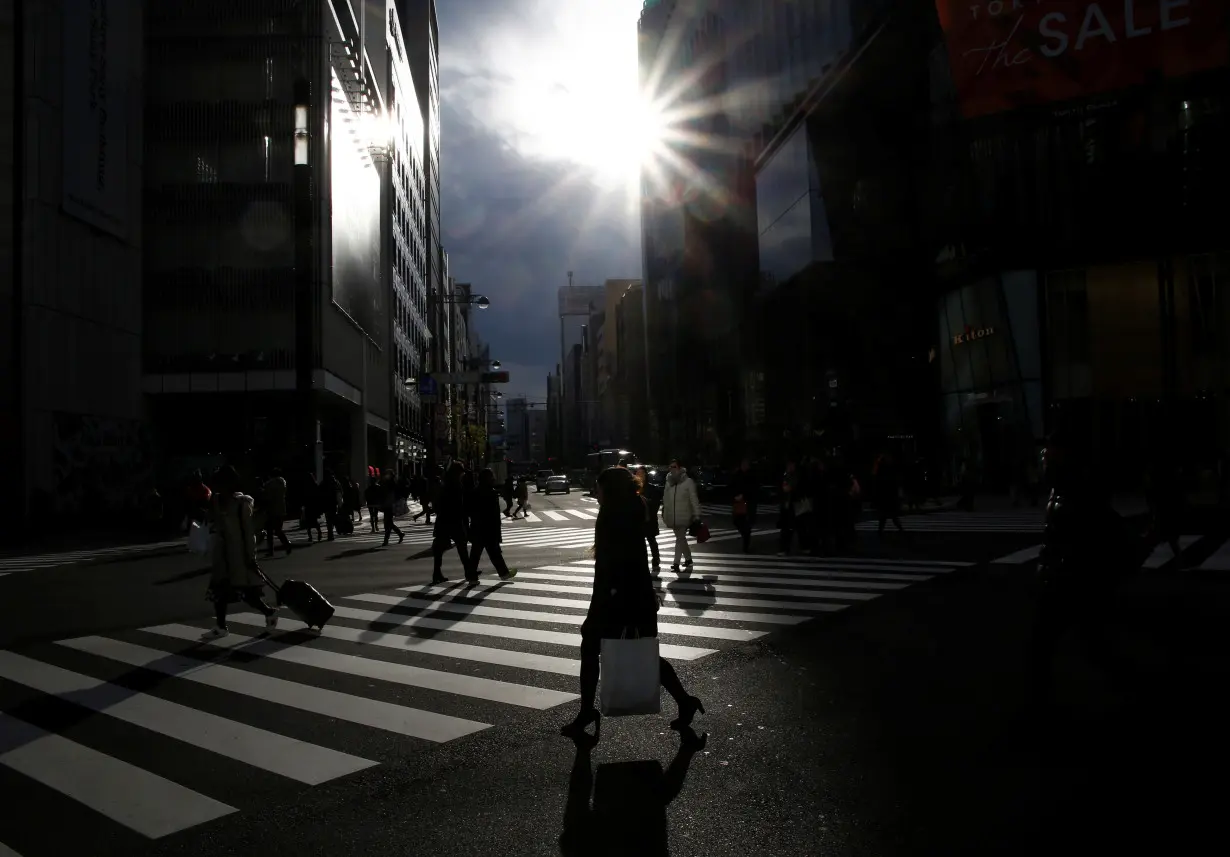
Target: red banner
1012 53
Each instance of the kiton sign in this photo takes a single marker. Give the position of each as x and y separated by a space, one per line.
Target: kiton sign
973 334
1013 53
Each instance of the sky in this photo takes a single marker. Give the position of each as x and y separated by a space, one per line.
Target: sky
537 177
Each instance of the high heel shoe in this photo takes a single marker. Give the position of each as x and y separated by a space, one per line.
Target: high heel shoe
687 710
577 727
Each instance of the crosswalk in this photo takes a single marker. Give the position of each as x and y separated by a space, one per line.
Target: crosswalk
11 564
1008 521
566 518
1161 555
133 736
556 538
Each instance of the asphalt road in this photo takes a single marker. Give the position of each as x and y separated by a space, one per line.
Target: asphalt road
861 705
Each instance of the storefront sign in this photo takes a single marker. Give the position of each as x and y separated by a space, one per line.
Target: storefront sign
1006 54
972 334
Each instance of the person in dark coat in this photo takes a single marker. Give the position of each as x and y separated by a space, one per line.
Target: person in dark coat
485 527
623 598
745 497
1088 549
653 501
450 526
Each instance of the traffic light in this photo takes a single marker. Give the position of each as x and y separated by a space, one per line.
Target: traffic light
495 378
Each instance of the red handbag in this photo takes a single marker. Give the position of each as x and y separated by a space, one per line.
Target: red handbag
700 532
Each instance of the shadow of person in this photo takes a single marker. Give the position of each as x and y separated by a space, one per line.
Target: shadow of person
628 814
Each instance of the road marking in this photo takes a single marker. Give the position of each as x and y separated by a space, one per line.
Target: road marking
394 673
486 629
1162 554
556 516
699 581
1219 560
702 565
791 605
531 518
926 565
1019 557
425 646
583 514
713 632
287 757
398 719
575 604
141 801
5 851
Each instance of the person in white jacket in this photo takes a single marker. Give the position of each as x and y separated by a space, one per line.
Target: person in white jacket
680 507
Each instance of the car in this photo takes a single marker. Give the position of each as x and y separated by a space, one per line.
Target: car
557 483
540 481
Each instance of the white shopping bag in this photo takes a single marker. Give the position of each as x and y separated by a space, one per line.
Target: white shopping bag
630 677
198 540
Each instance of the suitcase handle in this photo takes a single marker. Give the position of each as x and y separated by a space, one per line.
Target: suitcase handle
277 590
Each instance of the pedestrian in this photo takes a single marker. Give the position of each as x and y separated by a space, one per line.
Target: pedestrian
652 495
275 519
485 528
787 509
886 491
623 598
387 492
744 499
331 500
372 497
235 576
680 509
450 526
1087 551
523 497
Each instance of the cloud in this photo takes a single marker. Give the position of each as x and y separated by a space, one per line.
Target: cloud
515 221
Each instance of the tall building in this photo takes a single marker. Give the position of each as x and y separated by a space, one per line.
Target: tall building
698 268
72 417
286 264
949 261
517 432
629 391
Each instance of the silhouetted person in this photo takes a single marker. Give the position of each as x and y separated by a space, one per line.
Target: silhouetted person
745 497
450 523
653 502
485 527
623 598
1087 549
1166 502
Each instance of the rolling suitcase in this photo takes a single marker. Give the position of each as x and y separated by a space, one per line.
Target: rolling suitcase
312 608
305 602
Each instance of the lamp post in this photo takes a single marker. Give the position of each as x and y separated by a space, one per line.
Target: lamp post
305 292
379 139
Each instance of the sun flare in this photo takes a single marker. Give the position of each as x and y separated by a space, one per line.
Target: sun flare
572 94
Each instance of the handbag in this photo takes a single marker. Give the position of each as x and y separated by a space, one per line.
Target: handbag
630 676
199 540
699 530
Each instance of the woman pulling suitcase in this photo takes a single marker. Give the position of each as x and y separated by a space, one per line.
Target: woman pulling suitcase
235 574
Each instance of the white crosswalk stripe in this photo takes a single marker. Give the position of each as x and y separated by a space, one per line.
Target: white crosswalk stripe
424 664
561 538
1159 557
10 564
1016 521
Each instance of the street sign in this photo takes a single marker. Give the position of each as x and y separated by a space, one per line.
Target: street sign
494 378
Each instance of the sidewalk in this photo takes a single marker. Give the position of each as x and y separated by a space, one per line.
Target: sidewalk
130 541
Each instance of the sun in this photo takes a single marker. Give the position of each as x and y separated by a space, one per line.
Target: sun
576 99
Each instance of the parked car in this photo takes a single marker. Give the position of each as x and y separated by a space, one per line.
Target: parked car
557 483
540 482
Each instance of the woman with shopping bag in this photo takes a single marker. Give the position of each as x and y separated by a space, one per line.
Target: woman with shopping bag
620 631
